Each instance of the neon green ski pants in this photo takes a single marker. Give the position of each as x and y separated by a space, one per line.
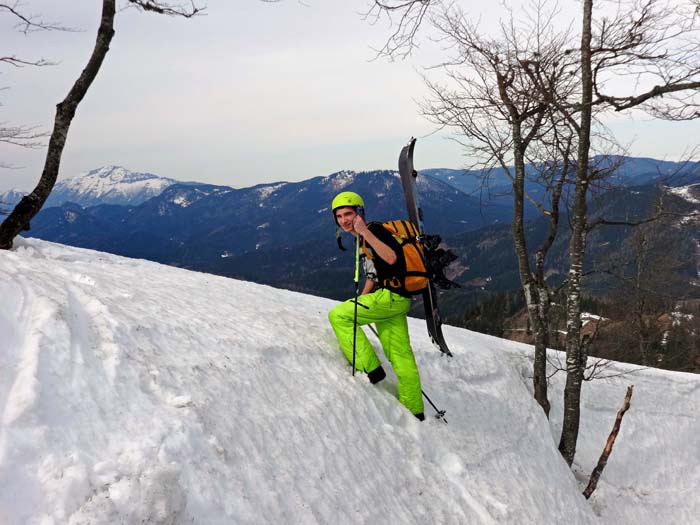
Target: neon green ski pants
387 311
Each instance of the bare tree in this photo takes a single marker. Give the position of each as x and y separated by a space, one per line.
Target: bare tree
30 205
501 100
655 47
644 56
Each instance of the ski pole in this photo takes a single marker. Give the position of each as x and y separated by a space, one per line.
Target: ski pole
439 414
357 293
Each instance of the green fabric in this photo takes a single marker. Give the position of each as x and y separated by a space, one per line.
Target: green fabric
387 311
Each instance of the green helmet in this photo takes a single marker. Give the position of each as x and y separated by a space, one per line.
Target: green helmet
347 198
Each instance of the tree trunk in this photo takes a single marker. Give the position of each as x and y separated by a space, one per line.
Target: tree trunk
533 297
30 205
639 303
575 357
541 344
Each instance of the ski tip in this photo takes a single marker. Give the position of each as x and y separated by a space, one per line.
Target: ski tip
406 153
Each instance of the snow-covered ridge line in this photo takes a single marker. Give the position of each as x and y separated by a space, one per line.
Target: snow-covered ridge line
685 192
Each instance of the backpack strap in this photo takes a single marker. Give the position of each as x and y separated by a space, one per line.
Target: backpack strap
364 246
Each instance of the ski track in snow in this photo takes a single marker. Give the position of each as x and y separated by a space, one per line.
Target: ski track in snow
132 392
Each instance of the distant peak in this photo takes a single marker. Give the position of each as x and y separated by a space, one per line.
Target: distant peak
117 174
104 171
342 174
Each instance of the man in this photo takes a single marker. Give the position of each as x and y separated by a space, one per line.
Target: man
377 304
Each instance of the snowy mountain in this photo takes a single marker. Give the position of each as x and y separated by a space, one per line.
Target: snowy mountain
108 185
132 392
8 199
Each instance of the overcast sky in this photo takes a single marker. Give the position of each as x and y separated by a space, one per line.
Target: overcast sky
250 92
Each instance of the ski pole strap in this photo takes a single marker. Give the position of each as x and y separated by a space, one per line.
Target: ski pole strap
358 303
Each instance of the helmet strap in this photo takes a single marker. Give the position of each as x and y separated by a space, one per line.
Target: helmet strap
338 235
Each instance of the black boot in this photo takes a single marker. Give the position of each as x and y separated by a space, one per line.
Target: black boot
421 416
376 375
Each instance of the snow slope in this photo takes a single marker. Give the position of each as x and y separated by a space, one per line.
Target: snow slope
132 392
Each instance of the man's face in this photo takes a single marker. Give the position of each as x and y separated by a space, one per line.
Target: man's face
345 217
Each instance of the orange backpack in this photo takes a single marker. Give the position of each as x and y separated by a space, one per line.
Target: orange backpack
413 276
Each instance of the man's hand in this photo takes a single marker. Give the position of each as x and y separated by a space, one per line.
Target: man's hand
359 225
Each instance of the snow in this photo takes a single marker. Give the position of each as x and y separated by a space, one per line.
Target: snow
265 191
114 183
679 317
182 201
338 181
11 196
132 392
685 192
185 197
587 316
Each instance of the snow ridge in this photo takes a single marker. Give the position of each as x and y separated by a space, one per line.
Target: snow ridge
132 392
686 192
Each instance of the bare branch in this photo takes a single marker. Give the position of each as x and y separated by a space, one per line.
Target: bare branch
603 460
19 62
406 17
29 23
656 45
24 136
187 10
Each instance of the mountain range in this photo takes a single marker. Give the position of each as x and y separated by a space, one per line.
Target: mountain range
630 171
283 233
274 233
491 265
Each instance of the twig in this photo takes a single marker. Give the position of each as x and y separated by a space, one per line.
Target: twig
598 470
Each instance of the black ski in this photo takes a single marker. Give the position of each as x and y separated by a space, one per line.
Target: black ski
415 215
